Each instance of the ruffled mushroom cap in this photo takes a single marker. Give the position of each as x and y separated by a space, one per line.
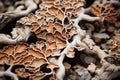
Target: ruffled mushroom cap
52 25
70 53
29 56
53 28
37 76
22 73
105 11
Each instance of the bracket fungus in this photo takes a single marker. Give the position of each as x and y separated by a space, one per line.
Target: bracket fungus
105 11
58 35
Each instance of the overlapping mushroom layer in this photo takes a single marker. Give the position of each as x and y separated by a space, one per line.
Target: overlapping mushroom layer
53 28
56 25
52 24
106 11
28 56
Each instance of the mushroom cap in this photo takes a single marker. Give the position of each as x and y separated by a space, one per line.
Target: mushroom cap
105 11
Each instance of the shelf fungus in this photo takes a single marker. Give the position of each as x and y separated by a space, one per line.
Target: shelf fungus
39 42
114 49
105 11
31 59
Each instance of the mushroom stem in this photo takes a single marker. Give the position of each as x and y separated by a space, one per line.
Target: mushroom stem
18 34
19 10
61 71
9 73
89 18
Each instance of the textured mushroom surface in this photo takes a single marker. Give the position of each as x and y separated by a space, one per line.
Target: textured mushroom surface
60 40
105 11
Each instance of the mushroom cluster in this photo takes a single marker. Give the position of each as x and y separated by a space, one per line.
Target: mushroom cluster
50 44
113 49
106 11
28 56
